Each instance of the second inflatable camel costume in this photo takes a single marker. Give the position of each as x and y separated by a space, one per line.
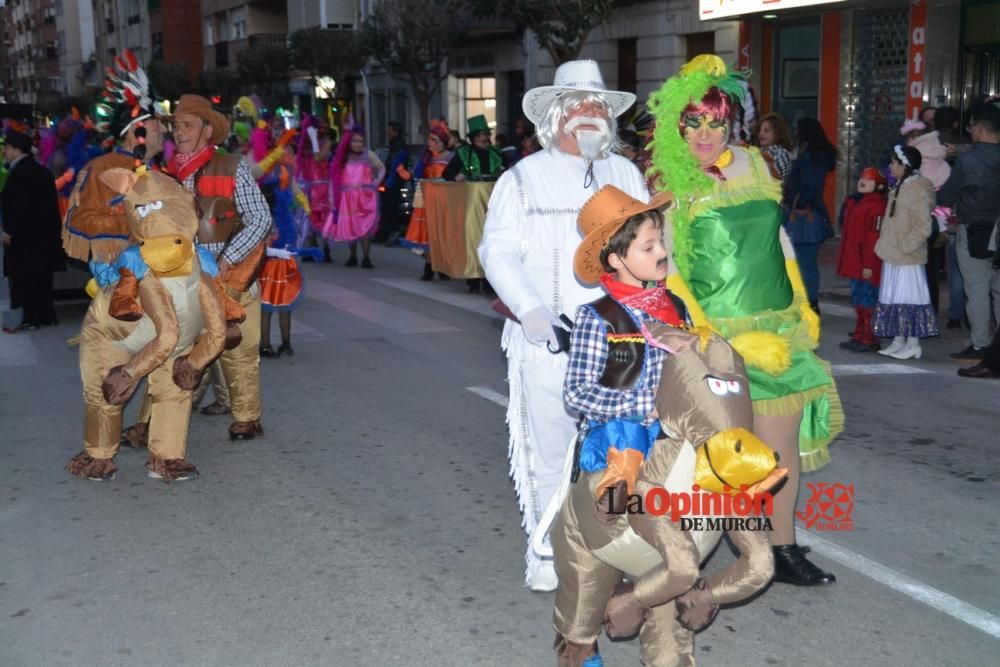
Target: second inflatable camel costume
178 329
704 410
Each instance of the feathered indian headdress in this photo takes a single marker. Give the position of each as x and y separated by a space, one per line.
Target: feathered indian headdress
127 97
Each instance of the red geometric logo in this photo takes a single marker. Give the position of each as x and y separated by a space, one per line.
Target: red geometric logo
829 507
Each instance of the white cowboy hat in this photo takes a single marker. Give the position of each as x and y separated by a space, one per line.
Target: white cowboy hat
574 76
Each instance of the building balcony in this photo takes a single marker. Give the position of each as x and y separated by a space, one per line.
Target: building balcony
265 39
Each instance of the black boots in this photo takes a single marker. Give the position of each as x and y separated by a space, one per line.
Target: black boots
428 272
792 567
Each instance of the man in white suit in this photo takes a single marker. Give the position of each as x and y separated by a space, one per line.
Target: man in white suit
527 252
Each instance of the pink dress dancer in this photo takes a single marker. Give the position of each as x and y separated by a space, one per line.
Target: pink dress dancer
314 171
357 173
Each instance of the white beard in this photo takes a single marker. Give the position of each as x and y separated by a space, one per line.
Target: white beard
590 144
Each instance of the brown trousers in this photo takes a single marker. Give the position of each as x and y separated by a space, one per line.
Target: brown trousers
241 365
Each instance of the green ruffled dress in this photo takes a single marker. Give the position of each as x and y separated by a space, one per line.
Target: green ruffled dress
736 270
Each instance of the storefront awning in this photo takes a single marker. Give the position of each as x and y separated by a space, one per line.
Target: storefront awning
716 9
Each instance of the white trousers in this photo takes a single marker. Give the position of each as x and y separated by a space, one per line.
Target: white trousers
541 429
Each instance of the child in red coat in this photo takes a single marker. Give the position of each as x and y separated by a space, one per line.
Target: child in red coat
861 216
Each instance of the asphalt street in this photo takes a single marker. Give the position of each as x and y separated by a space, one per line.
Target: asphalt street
375 524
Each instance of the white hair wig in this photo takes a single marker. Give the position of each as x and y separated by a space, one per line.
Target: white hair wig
547 130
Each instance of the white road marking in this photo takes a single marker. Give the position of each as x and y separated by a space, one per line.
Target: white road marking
841 370
17 350
305 333
932 597
489 395
381 313
471 302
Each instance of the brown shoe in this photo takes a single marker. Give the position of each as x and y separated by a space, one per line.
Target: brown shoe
245 430
135 436
215 408
978 371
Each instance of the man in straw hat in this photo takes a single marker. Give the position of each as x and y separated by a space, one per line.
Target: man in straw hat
527 253
222 182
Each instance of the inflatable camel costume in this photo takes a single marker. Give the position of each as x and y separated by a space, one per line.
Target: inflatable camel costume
174 331
704 410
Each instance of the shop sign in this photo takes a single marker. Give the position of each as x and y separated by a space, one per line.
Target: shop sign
915 63
716 9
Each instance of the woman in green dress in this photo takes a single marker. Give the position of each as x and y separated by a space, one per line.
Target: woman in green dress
735 268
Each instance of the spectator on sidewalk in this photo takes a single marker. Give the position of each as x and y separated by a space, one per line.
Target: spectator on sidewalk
31 233
390 225
776 143
973 191
808 222
904 312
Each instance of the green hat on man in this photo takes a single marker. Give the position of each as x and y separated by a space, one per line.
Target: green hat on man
478 124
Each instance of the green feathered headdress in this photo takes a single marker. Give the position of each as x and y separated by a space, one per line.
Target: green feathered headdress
673 166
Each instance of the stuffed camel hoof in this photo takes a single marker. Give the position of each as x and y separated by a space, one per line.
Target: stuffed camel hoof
577 655
233 336
170 470
135 436
186 376
696 609
83 465
623 615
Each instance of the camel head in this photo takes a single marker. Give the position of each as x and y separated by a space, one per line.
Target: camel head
161 217
704 398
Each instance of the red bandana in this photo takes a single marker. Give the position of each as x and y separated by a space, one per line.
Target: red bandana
655 301
183 165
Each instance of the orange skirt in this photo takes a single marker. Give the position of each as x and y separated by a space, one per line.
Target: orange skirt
280 284
416 233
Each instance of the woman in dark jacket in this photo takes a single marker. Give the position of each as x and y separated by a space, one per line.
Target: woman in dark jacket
808 220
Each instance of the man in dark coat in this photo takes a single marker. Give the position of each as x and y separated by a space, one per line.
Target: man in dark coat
31 233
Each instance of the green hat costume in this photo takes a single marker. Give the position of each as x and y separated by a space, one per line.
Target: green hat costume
477 124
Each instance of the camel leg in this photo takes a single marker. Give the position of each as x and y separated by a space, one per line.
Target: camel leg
750 573
585 582
102 421
663 641
170 414
679 569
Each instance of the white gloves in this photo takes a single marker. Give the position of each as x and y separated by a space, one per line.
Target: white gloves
537 325
280 253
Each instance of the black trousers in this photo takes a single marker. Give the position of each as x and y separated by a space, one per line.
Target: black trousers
991 354
33 294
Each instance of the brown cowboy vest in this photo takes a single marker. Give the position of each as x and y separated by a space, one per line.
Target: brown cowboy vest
215 187
625 358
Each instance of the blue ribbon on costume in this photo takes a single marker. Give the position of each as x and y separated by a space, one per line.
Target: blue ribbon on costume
207 261
622 433
106 273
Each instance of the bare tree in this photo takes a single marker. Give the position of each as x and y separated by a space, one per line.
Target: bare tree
337 54
412 39
561 26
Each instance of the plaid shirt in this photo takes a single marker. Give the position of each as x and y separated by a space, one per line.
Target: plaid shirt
254 213
588 352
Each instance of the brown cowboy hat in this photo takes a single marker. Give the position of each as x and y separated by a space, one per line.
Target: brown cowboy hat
602 216
199 106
